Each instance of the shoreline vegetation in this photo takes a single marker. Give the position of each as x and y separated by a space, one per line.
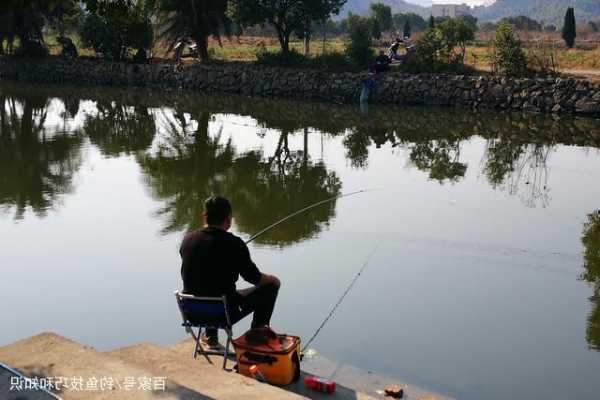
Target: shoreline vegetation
265 48
301 34
585 57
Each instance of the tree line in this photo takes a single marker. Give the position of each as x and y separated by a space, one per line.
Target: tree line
115 28
382 21
118 29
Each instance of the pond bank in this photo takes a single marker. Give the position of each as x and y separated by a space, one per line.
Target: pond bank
552 95
163 372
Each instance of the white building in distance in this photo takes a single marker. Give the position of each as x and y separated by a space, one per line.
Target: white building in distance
450 10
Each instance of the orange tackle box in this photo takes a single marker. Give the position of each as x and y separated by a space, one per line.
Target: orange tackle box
278 360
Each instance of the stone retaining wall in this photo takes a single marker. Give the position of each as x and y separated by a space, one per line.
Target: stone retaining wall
558 95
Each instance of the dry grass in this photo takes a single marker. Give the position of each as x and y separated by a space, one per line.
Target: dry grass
55 48
564 59
245 48
584 57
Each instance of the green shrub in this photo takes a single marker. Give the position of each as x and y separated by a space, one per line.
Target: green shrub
358 48
508 58
426 57
291 59
331 62
435 50
434 53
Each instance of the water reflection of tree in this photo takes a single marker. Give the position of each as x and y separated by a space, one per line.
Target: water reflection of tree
267 190
71 104
117 128
186 169
357 143
37 164
591 256
520 169
192 164
432 149
441 158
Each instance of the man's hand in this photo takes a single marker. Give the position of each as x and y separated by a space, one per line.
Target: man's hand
267 279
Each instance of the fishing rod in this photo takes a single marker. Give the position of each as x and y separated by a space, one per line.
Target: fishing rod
281 221
341 299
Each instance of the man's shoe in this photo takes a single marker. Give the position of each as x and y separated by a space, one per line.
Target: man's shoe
210 343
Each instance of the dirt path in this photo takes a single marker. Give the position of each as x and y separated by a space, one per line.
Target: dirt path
590 74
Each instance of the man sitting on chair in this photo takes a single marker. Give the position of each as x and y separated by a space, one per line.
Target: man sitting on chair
212 261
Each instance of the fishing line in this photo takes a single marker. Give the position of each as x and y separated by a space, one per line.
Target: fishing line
341 299
281 221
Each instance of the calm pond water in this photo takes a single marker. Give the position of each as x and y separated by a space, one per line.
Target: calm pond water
482 286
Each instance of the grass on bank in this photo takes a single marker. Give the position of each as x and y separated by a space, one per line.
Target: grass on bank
564 59
585 56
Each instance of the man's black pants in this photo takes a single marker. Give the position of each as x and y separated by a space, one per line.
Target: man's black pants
257 299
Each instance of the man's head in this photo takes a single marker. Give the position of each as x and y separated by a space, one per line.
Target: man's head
217 212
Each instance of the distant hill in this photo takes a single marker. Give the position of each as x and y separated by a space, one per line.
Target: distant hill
361 7
547 11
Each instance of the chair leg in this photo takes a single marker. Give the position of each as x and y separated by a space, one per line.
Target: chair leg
198 347
226 351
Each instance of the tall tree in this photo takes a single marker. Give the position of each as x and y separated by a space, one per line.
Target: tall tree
569 32
375 28
316 12
182 20
383 15
359 47
112 27
27 18
456 32
431 22
417 23
287 16
407 30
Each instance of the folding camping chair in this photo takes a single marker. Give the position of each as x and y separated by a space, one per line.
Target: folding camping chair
203 313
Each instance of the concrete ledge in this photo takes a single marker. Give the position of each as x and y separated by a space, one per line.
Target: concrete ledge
552 95
51 355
